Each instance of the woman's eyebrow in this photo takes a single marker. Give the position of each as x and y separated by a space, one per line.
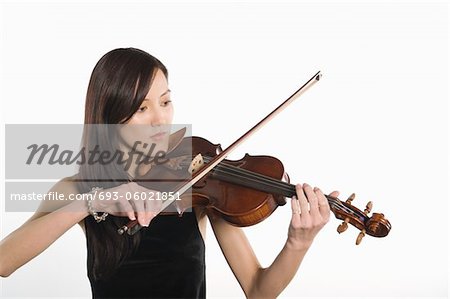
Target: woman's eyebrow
163 94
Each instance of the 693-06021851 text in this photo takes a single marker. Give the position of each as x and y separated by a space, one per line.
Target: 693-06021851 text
104 195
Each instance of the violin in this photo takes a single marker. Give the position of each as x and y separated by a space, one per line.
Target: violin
243 192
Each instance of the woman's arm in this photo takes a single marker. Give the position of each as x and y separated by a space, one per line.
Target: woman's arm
54 218
42 229
258 282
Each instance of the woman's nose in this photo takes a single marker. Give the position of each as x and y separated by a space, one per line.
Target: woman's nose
158 117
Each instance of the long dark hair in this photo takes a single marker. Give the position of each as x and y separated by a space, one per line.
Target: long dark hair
118 85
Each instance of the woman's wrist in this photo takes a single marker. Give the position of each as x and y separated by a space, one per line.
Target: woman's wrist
297 245
79 207
91 198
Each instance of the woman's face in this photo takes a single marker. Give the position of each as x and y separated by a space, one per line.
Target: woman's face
149 127
156 109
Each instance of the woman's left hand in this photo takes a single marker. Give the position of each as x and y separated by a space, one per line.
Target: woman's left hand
310 212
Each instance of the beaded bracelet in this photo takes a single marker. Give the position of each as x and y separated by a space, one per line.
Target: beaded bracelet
90 199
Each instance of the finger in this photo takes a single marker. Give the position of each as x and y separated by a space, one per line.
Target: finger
127 208
302 201
324 207
139 207
314 204
131 215
148 212
323 201
334 194
333 197
295 208
311 197
138 200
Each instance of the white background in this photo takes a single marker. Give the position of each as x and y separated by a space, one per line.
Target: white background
377 124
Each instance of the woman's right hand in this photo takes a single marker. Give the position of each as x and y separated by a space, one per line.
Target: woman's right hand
128 200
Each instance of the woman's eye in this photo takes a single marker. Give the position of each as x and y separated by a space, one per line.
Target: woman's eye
165 103
142 109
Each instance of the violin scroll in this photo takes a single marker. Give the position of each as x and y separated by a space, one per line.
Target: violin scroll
375 225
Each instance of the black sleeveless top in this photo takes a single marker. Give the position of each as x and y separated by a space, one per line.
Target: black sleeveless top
169 263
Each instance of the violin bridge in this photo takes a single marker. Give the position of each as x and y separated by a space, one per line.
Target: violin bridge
196 163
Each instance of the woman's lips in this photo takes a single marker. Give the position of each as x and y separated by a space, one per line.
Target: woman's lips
159 136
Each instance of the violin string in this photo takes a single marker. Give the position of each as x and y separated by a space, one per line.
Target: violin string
244 174
333 201
283 187
269 180
260 177
225 174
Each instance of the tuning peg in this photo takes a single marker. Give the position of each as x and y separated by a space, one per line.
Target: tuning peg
350 198
343 226
368 208
360 236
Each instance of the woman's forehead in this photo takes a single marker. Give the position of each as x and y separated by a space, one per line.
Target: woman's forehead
159 86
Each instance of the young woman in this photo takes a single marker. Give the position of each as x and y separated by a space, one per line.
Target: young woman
166 257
